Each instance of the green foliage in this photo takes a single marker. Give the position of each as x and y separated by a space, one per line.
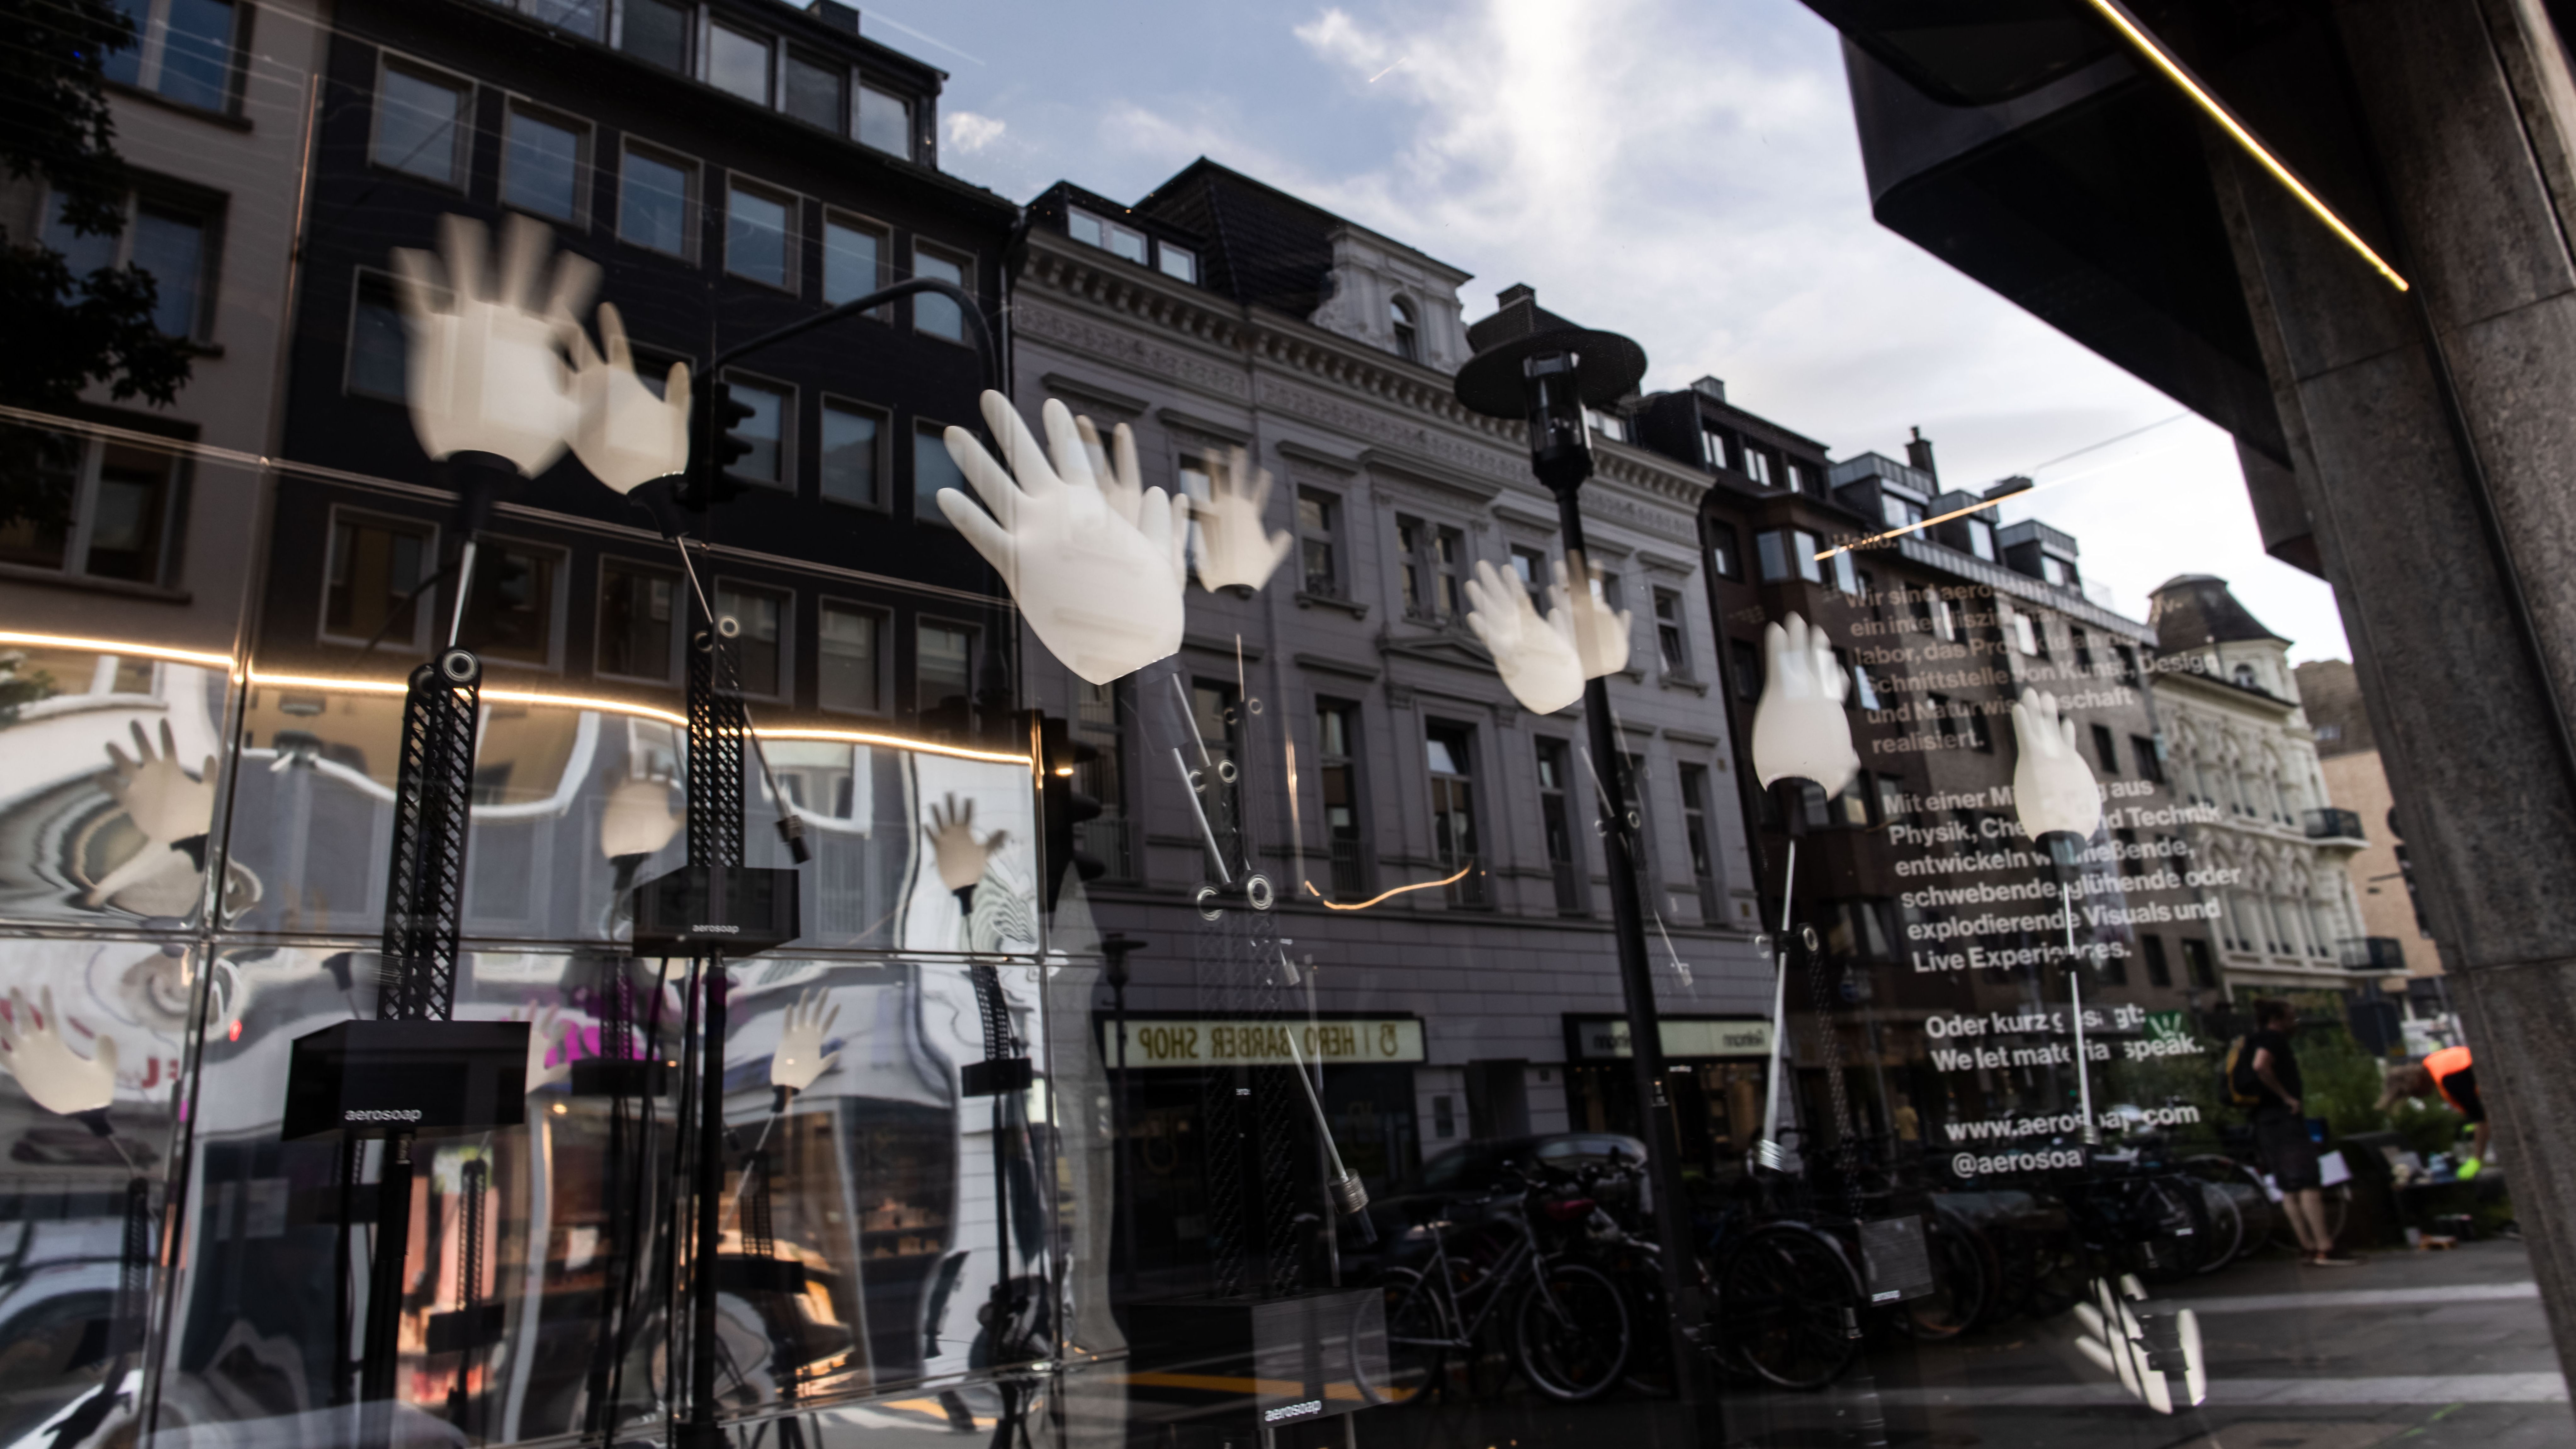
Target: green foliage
68 333
20 687
2427 1127
2343 1082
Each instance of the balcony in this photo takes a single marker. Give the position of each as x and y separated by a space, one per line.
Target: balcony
2373 955
2332 826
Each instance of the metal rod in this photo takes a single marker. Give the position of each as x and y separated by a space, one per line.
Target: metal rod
464 583
2075 995
1769 1147
1207 833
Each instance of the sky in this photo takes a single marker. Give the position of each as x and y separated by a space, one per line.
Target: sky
1686 173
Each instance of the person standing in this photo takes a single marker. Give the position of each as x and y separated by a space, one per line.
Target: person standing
2281 1140
2453 1073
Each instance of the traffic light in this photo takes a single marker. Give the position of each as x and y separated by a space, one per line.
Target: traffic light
719 414
1061 806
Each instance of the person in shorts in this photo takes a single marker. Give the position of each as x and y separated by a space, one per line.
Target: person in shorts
2281 1140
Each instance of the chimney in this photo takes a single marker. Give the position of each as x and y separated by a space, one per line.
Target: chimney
1710 387
836 15
1517 292
2017 483
1918 455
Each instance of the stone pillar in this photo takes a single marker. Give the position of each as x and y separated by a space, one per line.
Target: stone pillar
2469 112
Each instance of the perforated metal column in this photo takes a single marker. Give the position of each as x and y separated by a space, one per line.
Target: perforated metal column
716 724
425 886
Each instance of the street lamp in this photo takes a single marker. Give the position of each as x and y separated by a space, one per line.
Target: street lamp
1545 376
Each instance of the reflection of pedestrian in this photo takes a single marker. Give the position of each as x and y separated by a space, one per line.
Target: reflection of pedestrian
2281 1131
2451 1073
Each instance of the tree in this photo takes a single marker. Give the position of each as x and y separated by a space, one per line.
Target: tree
68 332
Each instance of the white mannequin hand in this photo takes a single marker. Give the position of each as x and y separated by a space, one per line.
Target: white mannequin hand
53 1076
2115 1340
543 1038
1234 548
1101 592
1536 656
638 819
486 372
158 796
2053 789
1600 636
800 1056
1119 480
625 435
1799 728
960 856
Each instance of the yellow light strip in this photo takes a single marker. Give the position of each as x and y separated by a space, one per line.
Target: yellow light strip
1877 538
2121 20
863 737
1421 885
111 646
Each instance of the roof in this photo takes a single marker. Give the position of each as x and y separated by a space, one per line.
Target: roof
1263 245
2192 610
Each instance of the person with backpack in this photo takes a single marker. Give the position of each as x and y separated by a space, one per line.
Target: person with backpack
2263 1076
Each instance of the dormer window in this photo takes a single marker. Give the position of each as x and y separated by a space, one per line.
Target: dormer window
1108 235
1178 262
1981 539
2245 677
1408 335
1609 425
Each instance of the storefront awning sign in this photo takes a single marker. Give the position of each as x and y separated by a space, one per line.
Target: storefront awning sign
1217 1042
1607 1036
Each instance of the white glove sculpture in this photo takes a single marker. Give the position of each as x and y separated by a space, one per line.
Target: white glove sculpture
625 435
545 1033
54 1077
2115 1340
1600 636
961 858
2053 789
1799 729
166 806
1101 587
486 375
1234 548
800 1056
638 819
1537 657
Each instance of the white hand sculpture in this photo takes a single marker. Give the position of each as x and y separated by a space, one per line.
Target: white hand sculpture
960 857
638 819
1102 591
1234 548
543 1038
487 373
1799 729
626 435
1537 656
157 795
800 1056
2116 1341
2053 789
1119 481
55 1078
1600 636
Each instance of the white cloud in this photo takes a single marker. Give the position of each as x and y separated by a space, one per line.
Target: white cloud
1688 173
969 132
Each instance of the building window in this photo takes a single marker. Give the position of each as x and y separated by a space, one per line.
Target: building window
1556 823
846 673
817 92
1723 555
194 62
1408 333
1898 511
422 122
885 121
1096 717
372 579
2197 967
760 645
771 423
1784 553
1453 810
2056 571
1178 262
1981 539
1757 466
379 355
2159 971
738 63
582 17
639 621
1319 517
1748 670
1671 645
1845 578
2083 649
1695 835
657 197
126 508
170 242
655 31
760 228
1714 440
2142 749
1864 693
1611 426
932 470
854 254
1337 770
853 444
1529 565
543 160
2106 750
1109 236
510 603
2025 629
932 313
943 666
1433 560
1945 619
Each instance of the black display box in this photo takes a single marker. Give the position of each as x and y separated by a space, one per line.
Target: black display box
378 1078
1261 1362
716 910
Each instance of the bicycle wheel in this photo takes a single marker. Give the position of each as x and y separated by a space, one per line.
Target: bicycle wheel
2171 1226
1418 1333
2226 1226
1788 1305
1570 1330
1958 1297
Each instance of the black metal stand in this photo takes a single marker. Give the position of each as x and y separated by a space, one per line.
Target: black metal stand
1116 946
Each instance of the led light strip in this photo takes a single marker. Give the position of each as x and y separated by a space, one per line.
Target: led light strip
1420 885
2127 24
